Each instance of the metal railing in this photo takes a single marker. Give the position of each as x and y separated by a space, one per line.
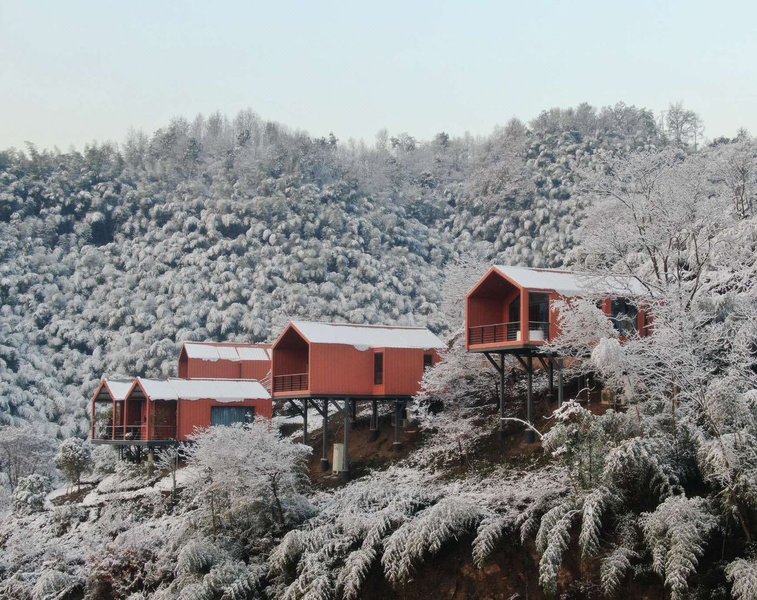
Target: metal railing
538 331
490 334
290 383
120 432
163 432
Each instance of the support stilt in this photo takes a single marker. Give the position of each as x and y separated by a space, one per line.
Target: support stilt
529 399
374 420
397 444
502 396
346 459
305 421
353 411
325 452
560 391
551 371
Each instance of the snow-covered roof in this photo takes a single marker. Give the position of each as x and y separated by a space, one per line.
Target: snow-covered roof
364 337
222 390
212 351
570 283
118 388
158 389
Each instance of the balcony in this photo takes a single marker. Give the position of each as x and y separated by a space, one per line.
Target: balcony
134 433
501 333
492 334
296 382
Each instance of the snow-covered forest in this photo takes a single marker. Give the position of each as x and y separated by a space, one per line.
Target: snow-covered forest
222 229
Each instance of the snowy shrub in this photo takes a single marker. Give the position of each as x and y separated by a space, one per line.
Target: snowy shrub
16 588
54 584
676 534
74 458
198 556
742 573
104 460
29 495
426 534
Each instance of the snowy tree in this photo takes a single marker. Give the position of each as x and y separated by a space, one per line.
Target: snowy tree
25 451
74 458
29 494
240 469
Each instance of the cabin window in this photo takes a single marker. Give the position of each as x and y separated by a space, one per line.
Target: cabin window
428 361
513 311
378 368
538 317
624 316
228 415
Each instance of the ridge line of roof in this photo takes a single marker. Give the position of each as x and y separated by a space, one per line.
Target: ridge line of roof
366 325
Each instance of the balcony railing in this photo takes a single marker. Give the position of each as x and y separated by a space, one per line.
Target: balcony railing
163 432
538 331
491 334
290 383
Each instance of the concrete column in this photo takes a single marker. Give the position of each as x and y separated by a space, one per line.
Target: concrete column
397 444
374 420
346 463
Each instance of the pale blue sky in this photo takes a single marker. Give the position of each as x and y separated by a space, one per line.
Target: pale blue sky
74 71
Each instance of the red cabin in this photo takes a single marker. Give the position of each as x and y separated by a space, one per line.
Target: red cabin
212 360
108 408
319 360
511 308
169 410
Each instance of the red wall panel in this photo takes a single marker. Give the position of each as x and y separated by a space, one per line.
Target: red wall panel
196 413
337 369
403 370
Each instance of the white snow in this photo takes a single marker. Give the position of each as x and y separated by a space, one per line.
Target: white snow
118 388
158 389
222 390
368 336
252 353
235 352
569 283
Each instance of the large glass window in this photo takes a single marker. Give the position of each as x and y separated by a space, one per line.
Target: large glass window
624 316
227 415
538 317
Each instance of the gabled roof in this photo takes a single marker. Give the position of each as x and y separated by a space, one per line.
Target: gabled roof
222 390
215 351
117 389
364 337
571 283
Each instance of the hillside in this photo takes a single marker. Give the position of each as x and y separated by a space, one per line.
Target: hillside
221 230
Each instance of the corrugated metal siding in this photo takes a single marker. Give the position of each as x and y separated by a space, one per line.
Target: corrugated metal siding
213 369
403 370
257 369
340 369
196 413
